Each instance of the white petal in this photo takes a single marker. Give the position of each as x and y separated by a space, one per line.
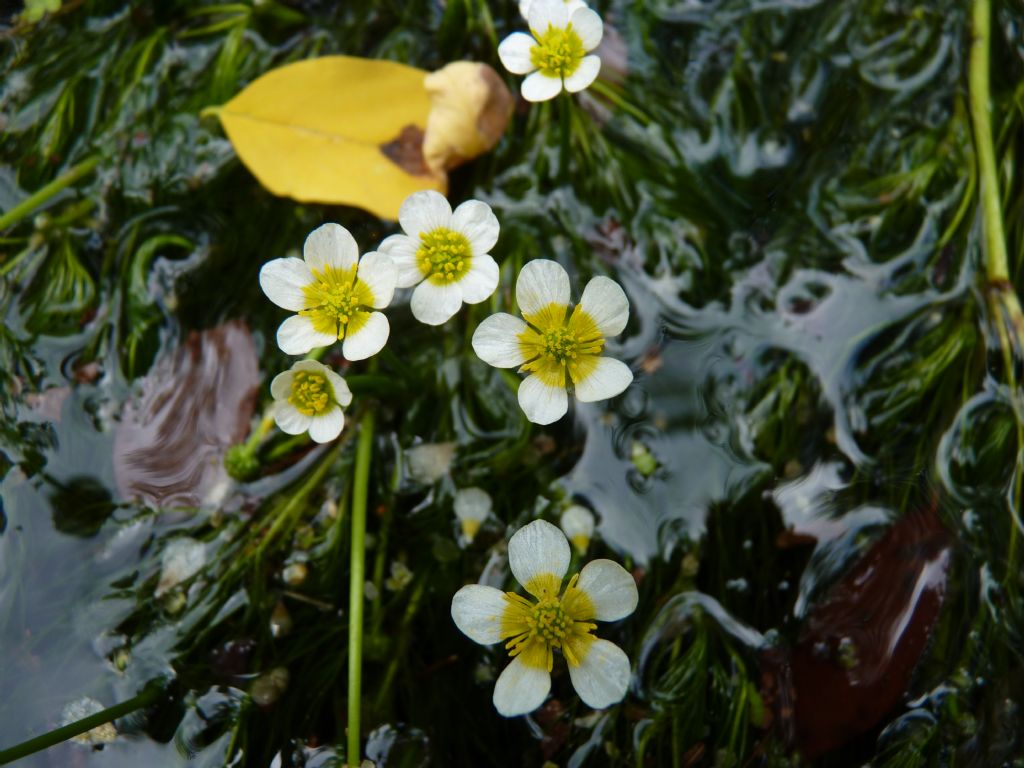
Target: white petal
289 420
541 403
330 245
588 26
435 304
541 282
547 13
520 688
477 611
424 211
402 250
297 336
606 303
281 386
368 340
477 222
514 52
538 549
540 87
602 677
326 426
480 282
608 379
380 274
472 504
584 75
312 366
283 280
496 341
524 8
341 391
611 589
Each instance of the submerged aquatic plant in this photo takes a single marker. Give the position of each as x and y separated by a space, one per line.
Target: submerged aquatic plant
539 555
558 345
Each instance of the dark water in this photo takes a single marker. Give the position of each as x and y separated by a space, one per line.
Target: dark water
814 477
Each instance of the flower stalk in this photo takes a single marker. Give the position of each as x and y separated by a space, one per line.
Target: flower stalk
357 576
1006 317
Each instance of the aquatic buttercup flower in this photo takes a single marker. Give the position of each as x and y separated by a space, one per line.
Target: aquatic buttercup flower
558 345
472 506
577 523
556 53
335 294
444 254
310 397
538 555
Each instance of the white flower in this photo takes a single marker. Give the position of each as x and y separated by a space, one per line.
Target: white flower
444 254
429 462
472 506
577 524
310 397
570 6
557 345
538 555
334 293
555 53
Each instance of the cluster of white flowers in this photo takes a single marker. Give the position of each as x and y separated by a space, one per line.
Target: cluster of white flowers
337 295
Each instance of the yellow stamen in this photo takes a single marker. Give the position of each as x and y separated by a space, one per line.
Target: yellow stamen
444 255
337 302
558 52
561 349
311 393
535 629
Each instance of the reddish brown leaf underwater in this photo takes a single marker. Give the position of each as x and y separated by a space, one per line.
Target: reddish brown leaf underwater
860 645
195 403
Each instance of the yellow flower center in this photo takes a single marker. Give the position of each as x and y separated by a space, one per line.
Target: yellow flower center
311 393
559 348
537 628
558 52
337 301
444 255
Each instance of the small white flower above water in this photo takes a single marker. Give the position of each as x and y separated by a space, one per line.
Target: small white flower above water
556 53
445 254
472 507
539 556
310 397
577 523
558 345
335 294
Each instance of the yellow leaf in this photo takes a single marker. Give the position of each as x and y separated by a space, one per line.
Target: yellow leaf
337 129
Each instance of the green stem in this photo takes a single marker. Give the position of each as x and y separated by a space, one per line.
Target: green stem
30 203
1004 305
357 577
149 694
996 262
